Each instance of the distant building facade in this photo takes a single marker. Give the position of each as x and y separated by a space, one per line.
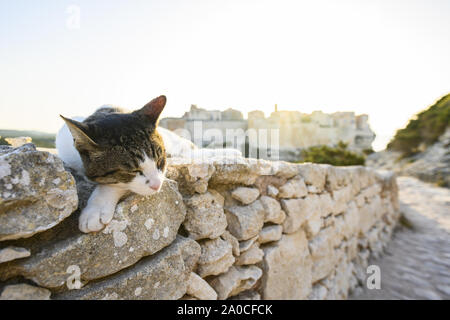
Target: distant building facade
289 131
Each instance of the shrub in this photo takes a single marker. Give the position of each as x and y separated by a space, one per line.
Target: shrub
337 156
368 151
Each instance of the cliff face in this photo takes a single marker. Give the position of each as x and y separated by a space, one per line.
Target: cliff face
430 165
224 228
422 148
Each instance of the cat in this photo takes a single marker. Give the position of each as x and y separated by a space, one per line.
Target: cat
122 151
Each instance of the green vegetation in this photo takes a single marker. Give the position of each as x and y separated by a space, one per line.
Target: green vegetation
337 156
368 151
40 139
423 130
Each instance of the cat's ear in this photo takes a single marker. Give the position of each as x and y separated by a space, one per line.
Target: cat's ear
153 109
78 131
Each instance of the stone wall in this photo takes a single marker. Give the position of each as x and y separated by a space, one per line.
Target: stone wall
219 229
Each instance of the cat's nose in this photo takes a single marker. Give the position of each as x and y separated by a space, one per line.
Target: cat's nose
155 185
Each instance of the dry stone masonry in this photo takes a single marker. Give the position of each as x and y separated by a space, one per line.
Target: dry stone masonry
219 229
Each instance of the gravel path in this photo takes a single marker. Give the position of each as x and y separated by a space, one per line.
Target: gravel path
416 263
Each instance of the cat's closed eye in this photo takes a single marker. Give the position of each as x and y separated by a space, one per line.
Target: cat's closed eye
139 172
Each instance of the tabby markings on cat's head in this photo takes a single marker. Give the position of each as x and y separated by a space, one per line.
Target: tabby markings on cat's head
123 149
148 180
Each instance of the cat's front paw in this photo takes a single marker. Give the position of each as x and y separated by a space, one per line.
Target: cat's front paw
95 218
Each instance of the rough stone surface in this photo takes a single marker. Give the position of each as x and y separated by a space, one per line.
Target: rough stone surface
251 256
192 175
294 188
162 276
326 204
199 288
322 253
36 193
205 217
272 191
287 268
24 292
297 212
140 227
314 175
313 224
239 171
233 241
337 177
272 209
13 253
247 244
245 222
318 292
245 195
369 214
236 280
270 233
340 199
216 258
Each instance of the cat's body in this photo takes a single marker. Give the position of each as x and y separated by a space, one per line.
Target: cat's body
121 151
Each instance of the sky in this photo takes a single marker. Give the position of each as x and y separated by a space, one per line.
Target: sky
386 58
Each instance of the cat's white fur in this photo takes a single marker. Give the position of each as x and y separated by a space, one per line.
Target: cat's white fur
100 208
66 149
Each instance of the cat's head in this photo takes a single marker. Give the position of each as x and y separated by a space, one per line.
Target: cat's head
123 148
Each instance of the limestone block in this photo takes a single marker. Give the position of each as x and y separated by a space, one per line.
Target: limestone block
369 214
298 211
322 252
13 253
245 195
272 191
235 281
270 233
245 222
205 217
272 209
24 292
36 193
247 244
199 288
192 175
340 198
318 292
216 257
314 175
293 188
233 241
163 276
251 256
287 268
